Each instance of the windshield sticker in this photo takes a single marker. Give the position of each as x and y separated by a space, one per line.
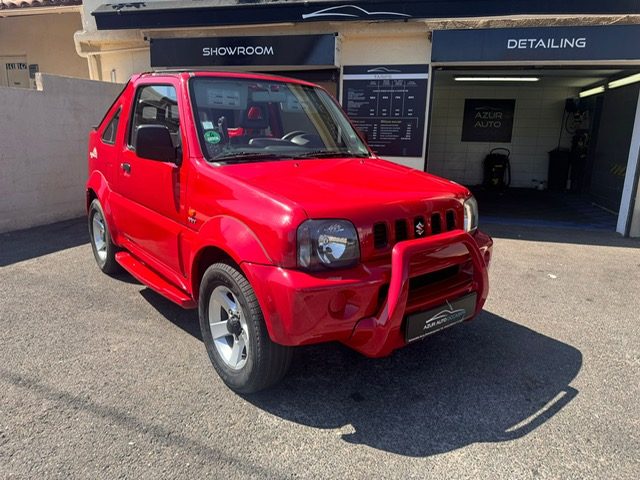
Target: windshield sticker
207 125
212 137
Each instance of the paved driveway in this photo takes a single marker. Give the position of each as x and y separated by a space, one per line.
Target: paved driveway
102 378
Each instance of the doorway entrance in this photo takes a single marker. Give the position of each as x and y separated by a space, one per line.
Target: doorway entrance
14 71
537 145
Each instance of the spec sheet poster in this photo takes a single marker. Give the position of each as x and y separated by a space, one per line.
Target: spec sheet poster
388 104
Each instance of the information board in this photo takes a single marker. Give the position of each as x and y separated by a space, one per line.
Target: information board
388 104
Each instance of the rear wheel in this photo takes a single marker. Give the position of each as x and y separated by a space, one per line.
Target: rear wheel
103 248
235 334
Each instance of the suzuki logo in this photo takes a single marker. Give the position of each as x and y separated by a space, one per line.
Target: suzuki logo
419 229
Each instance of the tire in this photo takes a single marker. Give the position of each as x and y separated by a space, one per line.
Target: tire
104 250
235 334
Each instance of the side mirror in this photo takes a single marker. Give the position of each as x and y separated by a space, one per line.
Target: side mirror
154 143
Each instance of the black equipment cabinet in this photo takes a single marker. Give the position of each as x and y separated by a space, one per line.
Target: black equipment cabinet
559 161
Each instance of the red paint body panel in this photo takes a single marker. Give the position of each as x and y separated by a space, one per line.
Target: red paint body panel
166 215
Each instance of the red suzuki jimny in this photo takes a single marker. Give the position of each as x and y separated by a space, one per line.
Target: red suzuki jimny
255 200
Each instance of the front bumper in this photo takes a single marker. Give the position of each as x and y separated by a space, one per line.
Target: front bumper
364 307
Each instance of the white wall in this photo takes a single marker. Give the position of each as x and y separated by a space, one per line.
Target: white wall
536 127
635 219
627 201
43 158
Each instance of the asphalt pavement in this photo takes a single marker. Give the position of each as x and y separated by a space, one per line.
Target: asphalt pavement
102 378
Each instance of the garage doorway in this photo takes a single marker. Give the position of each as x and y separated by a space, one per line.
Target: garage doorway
566 140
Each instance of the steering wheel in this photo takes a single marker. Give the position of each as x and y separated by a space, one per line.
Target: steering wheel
292 134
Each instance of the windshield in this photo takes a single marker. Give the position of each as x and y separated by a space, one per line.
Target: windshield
253 120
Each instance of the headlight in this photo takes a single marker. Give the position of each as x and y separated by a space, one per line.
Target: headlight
327 243
470 214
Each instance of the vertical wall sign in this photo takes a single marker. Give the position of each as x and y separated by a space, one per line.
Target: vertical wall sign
388 104
33 69
488 120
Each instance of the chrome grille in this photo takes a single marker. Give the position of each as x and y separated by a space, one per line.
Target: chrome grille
414 227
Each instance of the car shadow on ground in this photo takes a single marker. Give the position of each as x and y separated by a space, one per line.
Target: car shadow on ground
489 380
186 320
34 242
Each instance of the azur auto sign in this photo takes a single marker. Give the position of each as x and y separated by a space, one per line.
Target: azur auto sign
488 120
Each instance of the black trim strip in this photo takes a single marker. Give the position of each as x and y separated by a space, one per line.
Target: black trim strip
203 13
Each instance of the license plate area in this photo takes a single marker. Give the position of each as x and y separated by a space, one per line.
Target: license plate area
423 324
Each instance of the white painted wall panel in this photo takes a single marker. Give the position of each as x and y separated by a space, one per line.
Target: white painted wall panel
43 159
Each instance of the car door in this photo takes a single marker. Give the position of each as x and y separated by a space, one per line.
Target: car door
152 193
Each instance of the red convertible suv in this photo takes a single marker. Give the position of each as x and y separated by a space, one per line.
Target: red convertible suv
253 199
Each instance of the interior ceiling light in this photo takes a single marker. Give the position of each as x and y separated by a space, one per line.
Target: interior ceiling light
496 79
592 91
625 81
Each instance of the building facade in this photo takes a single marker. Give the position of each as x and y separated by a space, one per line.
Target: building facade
37 36
434 85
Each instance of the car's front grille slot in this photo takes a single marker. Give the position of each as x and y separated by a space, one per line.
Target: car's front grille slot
380 237
401 230
451 220
436 224
387 233
427 279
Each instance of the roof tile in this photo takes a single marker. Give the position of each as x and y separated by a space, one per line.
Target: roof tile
10 4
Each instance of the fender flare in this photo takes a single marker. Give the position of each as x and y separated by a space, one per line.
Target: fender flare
99 185
232 239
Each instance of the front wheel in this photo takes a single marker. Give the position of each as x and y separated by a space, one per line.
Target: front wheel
235 334
103 248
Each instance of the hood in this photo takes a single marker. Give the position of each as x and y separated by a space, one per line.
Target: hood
349 188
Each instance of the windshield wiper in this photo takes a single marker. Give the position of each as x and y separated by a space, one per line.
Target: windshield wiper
330 153
248 156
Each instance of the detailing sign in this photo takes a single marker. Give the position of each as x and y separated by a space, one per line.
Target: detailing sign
488 120
611 42
388 104
289 50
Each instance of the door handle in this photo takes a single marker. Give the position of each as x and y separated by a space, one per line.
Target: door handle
126 167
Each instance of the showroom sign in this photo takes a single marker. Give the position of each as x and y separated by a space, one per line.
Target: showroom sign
488 120
612 42
289 50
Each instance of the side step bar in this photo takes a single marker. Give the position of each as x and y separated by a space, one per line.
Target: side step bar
154 281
